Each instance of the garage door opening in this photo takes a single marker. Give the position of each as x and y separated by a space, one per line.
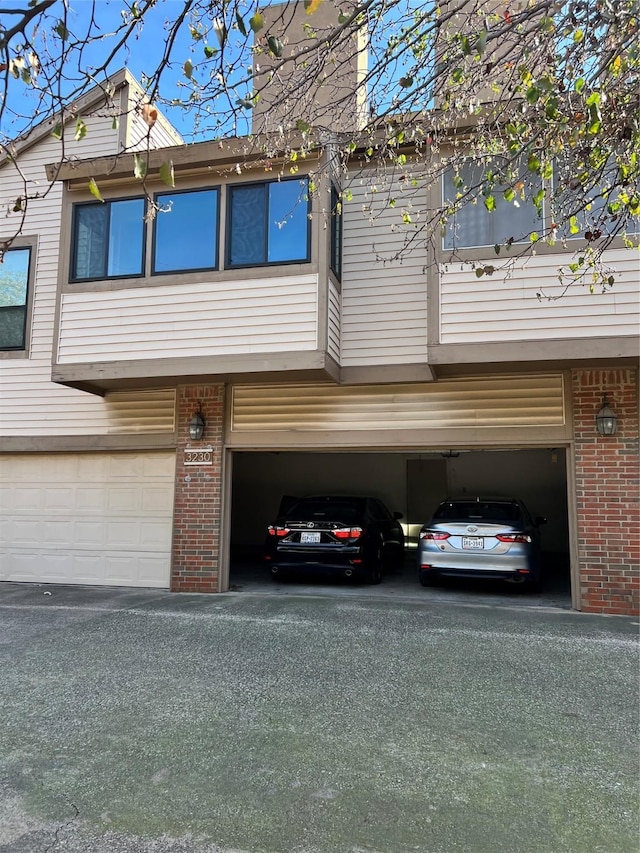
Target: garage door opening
411 483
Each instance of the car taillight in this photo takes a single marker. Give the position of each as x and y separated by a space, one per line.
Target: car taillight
431 534
513 537
348 532
274 530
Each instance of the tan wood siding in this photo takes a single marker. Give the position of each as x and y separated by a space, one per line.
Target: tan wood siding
255 316
384 297
334 322
531 401
505 306
30 404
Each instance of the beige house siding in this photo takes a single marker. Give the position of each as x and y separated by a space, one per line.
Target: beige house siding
30 404
384 297
505 306
334 322
216 318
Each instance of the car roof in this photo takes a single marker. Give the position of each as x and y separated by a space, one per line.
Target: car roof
481 499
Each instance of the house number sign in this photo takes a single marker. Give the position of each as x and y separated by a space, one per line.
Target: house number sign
199 456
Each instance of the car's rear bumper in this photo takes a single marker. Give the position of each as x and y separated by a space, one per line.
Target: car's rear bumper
335 560
472 565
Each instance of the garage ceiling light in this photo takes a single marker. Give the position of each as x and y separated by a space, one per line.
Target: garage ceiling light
606 420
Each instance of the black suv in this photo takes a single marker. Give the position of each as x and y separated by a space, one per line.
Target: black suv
348 536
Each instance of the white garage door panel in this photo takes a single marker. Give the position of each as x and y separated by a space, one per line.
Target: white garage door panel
101 519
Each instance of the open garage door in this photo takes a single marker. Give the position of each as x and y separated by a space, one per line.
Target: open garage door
91 518
408 482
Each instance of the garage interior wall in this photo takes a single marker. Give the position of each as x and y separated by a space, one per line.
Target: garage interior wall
260 479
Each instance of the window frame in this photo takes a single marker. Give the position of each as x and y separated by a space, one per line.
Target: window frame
336 240
73 279
182 271
30 243
476 250
228 265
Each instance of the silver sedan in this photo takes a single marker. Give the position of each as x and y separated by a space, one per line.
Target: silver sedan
481 537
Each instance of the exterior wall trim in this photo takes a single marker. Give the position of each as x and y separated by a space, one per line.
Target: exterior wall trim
86 443
561 349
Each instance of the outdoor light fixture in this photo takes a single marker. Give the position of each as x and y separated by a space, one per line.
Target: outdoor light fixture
606 421
196 426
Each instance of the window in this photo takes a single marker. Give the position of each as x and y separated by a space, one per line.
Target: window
14 298
335 260
268 223
108 239
186 231
473 225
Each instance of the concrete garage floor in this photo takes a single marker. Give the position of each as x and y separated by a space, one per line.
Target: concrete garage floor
250 574
149 722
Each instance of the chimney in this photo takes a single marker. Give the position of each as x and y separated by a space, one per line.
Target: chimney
319 76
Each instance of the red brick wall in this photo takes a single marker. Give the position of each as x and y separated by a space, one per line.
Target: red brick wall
608 492
196 515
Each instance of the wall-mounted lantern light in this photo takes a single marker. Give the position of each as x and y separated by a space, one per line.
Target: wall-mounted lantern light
606 420
196 426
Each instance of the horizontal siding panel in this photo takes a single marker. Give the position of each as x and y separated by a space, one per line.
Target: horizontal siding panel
487 402
190 320
505 306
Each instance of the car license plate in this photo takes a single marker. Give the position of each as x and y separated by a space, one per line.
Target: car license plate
472 542
310 537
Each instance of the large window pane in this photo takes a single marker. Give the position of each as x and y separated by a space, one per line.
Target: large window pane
108 239
186 235
126 233
248 226
14 284
91 241
288 221
473 225
268 223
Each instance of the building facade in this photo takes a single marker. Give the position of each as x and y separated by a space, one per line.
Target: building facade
320 345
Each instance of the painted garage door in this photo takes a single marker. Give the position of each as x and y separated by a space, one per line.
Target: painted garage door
100 519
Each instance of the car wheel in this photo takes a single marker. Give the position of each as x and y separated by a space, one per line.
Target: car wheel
427 578
532 585
375 571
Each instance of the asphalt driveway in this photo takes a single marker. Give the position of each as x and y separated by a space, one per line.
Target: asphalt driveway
246 723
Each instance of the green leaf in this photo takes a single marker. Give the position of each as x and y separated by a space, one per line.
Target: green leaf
81 130
256 22
497 248
479 272
534 237
481 43
166 173
574 228
240 24
209 51
275 46
465 45
509 194
139 166
57 131
115 124
457 181
458 75
490 203
579 85
302 126
61 30
406 82
533 164
93 189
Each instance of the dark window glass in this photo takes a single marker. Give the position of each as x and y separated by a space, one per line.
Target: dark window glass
14 287
478 511
336 233
186 231
108 239
473 225
268 223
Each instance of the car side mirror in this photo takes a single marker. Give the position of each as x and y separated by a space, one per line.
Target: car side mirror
398 515
540 519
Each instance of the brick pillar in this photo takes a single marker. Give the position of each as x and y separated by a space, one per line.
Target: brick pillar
195 557
608 492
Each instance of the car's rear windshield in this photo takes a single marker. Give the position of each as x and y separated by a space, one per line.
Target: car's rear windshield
477 511
333 510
